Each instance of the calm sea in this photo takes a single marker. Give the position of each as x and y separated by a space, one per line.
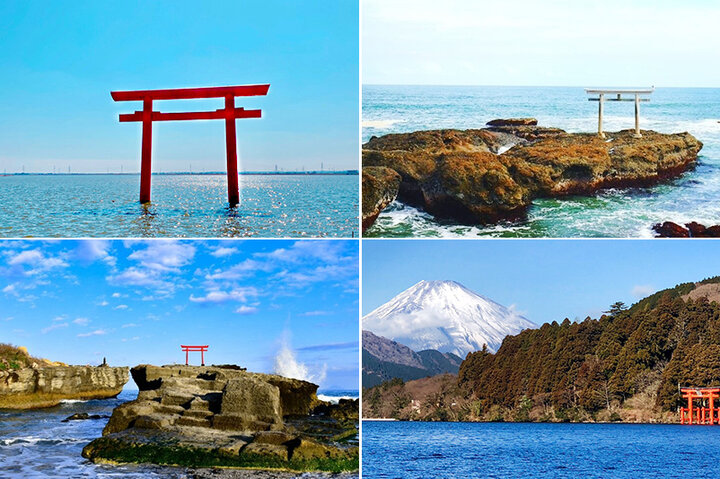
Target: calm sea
613 213
182 206
405 450
37 444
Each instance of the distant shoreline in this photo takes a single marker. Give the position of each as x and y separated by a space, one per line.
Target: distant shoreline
205 173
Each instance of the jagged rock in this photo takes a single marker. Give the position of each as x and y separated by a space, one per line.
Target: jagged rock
669 229
83 416
513 122
226 416
460 175
40 387
380 188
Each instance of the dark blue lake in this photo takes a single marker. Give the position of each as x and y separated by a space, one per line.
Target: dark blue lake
499 450
102 206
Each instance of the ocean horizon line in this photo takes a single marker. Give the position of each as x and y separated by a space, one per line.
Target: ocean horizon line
200 173
469 85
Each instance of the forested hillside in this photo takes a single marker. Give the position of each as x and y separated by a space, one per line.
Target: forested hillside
626 365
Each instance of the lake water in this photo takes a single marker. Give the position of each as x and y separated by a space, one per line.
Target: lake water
406 450
37 444
183 206
612 213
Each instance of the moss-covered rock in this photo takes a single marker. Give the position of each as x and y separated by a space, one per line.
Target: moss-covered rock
461 175
210 416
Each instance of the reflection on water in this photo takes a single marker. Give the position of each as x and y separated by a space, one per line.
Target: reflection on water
182 206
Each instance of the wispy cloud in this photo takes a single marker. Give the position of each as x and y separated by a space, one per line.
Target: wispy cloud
223 251
642 290
331 347
217 296
53 327
97 332
244 309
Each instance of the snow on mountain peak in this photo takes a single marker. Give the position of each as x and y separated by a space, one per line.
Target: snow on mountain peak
446 316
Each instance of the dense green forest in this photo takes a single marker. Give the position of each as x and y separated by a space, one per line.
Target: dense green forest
659 344
628 365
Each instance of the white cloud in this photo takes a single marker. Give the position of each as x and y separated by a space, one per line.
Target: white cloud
97 332
94 250
121 306
81 321
642 290
222 251
164 255
239 271
116 295
217 296
129 325
244 309
36 261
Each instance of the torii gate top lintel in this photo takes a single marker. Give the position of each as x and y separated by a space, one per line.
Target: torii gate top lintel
229 113
191 93
619 92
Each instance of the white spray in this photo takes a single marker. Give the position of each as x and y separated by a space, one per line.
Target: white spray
287 365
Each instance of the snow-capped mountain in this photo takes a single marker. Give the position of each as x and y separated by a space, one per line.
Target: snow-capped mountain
446 316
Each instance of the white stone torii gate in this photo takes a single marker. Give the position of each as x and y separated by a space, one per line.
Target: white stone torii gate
619 93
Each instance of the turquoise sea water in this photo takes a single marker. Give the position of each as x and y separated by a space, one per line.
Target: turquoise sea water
410 450
182 206
613 213
37 444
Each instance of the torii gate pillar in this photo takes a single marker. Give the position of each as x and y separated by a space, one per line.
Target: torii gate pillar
231 145
146 161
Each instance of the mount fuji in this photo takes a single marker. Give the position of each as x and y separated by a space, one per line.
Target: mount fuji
445 316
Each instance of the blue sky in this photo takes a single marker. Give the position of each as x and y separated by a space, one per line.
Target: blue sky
546 280
136 302
551 42
60 60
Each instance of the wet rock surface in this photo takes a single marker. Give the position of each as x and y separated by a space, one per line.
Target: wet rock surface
486 175
222 416
45 386
668 229
380 187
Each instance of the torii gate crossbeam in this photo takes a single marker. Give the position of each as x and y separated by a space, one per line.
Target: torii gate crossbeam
229 113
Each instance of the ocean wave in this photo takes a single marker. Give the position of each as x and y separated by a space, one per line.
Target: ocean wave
73 401
380 124
34 440
334 399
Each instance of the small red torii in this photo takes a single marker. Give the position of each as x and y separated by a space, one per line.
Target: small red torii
188 349
705 413
229 114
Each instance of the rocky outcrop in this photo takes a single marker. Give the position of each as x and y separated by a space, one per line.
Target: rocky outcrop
380 187
198 416
40 387
513 122
669 229
471 176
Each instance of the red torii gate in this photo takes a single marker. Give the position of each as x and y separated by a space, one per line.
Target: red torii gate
188 349
229 114
702 414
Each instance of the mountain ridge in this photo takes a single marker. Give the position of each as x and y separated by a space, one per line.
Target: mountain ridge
444 316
